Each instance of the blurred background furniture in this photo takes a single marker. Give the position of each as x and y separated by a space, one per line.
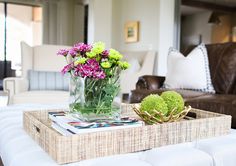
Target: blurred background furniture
44 58
141 63
9 72
38 58
222 63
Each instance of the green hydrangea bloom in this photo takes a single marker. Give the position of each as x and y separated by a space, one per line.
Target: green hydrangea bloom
106 65
98 47
80 60
173 100
91 54
113 54
123 65
154 102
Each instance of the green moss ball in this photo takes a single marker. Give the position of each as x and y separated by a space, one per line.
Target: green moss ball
154 102
173 100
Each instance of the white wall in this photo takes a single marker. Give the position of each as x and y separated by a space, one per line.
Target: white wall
195 25
166 34
136 10
37 33
100 21
108 17
117 29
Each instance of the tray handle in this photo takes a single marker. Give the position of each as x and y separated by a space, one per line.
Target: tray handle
37 129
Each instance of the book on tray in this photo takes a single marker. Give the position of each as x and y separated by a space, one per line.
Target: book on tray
66 124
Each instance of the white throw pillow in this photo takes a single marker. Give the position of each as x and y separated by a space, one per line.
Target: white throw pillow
190 72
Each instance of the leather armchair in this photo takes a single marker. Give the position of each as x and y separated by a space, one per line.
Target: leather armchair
150 82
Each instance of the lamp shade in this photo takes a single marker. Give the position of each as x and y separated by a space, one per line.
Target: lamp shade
214 18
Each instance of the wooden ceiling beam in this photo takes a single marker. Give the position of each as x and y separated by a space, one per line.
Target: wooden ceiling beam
208 6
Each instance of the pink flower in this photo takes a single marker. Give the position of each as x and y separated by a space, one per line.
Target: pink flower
105 53
99 74
90 69
73 51
83 47
63 52
93 63
67 68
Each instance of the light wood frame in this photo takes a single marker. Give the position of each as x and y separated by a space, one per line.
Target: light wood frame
132 31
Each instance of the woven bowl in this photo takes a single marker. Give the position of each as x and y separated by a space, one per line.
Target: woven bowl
152 119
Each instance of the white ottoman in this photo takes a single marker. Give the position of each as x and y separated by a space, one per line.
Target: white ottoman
178 155
118 160
18 149
221 149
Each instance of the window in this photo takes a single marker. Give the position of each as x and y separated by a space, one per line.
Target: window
23 23
2 31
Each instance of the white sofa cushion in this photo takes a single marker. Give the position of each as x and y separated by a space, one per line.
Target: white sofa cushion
190 72
45 58
41 97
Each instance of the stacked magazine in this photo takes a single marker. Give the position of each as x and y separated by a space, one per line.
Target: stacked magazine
67 125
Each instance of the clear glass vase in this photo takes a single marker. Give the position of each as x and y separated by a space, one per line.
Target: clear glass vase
95 99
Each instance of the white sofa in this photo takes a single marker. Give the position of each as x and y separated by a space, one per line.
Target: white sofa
44 58
40 58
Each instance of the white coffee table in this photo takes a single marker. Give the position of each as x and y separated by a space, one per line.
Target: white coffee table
18 149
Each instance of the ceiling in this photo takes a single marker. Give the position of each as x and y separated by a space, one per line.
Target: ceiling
188 10
189 7
228 3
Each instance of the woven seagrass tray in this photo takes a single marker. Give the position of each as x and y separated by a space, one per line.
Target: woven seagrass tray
67 149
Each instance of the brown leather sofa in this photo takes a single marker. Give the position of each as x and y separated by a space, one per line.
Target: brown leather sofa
222 62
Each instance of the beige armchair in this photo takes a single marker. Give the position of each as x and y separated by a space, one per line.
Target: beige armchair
40 58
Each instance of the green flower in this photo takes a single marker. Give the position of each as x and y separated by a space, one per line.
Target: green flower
80 60
91 54
113 54
98 47
106 65
153 103
173 100
123 65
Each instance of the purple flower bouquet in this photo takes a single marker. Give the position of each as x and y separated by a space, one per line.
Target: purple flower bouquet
95 74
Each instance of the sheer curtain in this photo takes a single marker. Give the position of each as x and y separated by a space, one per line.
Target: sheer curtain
63 22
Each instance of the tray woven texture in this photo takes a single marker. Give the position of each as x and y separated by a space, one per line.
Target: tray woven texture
67 149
